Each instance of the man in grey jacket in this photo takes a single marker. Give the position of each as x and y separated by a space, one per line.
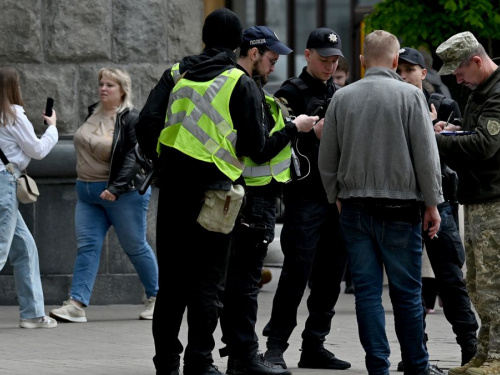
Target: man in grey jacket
378 160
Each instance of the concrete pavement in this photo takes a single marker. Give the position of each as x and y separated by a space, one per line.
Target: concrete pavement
115 342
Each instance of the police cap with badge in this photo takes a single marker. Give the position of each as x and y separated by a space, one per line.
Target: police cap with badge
263 37
325 41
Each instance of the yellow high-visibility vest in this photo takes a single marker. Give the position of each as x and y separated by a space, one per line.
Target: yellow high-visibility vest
198 122
279 166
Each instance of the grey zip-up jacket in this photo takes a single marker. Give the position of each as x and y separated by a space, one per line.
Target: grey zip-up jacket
378 142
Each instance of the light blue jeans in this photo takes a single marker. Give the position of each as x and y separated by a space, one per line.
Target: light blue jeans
17 244
93 217
372 245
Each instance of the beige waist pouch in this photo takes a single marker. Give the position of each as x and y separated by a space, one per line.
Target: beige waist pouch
221 208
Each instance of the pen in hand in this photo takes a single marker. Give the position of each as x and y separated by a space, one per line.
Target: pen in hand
449 118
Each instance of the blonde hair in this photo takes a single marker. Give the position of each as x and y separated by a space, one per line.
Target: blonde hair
122 78
9 94
379 48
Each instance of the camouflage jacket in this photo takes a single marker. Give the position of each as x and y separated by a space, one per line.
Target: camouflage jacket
476 157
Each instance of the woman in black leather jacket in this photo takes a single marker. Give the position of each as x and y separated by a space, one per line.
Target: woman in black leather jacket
107 190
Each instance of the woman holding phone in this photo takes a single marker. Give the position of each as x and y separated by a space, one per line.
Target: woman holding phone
20 144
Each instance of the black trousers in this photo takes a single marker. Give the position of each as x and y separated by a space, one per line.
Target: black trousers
239 314
192 267
447 256
313 249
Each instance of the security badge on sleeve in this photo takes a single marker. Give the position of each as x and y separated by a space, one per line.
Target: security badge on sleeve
493 127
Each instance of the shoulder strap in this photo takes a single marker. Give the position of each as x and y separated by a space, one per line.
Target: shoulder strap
5 161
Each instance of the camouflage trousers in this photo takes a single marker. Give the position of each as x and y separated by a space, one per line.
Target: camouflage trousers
482 257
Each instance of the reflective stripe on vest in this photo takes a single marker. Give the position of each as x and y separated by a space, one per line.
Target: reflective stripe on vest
279 166
175 72
200 111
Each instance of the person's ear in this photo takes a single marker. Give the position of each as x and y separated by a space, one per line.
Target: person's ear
254 53
395 61
362 61
424 73
478 60
307 54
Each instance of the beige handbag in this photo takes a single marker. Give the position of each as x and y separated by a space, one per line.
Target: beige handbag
27 191
221 208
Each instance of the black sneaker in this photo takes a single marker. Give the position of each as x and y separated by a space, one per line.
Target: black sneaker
433 370
275 356
401 367
209 370
321 359
258 366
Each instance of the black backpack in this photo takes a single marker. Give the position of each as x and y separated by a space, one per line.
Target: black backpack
444 107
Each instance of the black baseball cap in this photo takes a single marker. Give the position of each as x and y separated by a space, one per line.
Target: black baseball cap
257 36
412 56
325 41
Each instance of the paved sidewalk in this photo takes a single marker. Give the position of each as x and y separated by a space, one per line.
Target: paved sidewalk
115 342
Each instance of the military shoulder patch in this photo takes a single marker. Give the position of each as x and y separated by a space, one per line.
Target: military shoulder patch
493 127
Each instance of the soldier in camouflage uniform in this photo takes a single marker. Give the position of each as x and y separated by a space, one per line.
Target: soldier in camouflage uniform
476 159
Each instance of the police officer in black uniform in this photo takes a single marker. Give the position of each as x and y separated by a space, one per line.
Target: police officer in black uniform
311 242
264 176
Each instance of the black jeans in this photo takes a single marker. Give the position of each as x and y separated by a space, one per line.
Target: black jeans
313 249
447 255
192 266
239 313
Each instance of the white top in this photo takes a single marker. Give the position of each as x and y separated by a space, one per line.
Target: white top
20 144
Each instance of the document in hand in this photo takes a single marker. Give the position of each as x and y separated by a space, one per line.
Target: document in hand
458 132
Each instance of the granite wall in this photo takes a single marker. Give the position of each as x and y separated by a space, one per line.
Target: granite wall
58 48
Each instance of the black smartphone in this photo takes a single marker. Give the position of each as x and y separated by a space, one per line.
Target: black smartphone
317 110
48 108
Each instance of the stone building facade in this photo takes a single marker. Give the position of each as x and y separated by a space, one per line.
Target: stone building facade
58 47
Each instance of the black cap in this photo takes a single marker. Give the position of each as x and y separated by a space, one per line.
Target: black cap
412 56
325 41
257 36
222 28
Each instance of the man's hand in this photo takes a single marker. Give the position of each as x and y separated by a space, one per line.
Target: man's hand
443 125
318 128
305 123
432 221
434 113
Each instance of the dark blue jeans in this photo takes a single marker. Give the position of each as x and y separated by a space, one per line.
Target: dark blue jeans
447 255
372 245
239 313
313 249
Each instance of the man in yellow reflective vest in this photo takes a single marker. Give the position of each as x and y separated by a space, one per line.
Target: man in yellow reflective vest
264 174
214 119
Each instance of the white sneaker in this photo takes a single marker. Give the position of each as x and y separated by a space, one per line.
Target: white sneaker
149 308
69 312
42 322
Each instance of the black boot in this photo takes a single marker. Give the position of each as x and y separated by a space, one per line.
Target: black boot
275 356
468 351
321 359
258 366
